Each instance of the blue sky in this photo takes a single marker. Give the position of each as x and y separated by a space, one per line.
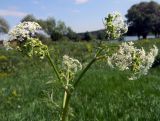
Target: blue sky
80 15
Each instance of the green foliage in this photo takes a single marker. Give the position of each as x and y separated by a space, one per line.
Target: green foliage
88 36
48 25
104 93
55 36
56 30
72 35
29 17
144 18
6 65
4 27
33 47
101 35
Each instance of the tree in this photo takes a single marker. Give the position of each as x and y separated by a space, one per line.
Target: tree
88 36
72 35
56 30
48 25
141 18
29 17
61 27
155 18
101 35
55 36
4 27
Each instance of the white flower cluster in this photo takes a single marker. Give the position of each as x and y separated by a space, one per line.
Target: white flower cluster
69 67
24 30
7 46
131 58
70 64
30 45
115 26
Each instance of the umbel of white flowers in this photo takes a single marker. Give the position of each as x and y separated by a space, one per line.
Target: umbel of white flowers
32 46
131 58
70 67
115 26
24 31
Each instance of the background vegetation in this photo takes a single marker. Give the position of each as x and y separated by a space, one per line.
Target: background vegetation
143 19
104 93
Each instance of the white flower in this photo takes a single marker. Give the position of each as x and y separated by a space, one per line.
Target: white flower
115 26
7 46
24 30
130 58
69 67
71 64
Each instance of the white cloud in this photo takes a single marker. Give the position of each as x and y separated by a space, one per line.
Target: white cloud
10 12
81 1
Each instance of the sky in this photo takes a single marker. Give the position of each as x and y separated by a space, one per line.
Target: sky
80 15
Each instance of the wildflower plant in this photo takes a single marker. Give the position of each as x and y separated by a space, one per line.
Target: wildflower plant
71 71
133 59
28 45
24 31
115 26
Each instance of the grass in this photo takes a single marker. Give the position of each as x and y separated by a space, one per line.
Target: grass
104 94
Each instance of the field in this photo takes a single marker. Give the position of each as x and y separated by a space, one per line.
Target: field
104 94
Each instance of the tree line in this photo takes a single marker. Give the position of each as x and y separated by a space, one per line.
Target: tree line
56 30
142 19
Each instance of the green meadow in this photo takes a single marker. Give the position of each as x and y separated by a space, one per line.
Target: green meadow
104 94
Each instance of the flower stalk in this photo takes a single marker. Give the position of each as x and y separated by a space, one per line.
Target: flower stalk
53 66
64 116
88 66
83 72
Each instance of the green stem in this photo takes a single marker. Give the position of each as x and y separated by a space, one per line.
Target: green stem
67 95
54 67
65 99
84 71
66 87
87 67
65 108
